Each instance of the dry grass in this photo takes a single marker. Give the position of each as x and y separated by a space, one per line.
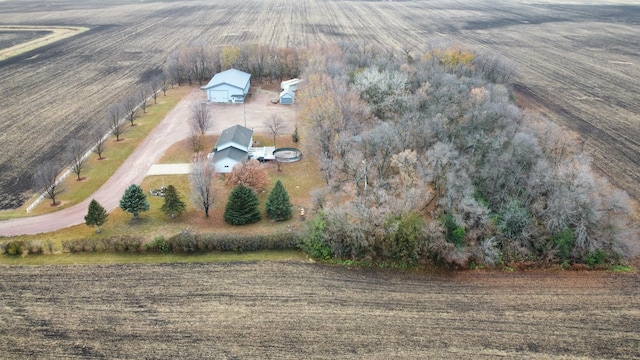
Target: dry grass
54 33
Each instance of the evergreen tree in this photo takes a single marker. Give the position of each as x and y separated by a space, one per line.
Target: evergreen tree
134 200
173 205
278 206
242 207
96 215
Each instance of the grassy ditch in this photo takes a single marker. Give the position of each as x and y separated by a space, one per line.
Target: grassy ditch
119 258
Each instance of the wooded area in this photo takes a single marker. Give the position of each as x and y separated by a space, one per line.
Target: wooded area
430 159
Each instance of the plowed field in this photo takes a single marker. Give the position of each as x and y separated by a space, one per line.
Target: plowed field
579 61
303 311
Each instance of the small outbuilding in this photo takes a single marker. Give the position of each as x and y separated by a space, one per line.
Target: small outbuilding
290 84
288 91
229 86
287 97
232 148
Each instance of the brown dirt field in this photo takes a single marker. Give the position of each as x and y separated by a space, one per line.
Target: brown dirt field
298 310
579 58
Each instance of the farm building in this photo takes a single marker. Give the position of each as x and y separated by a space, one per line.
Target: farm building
287 91
232 148
229 86
287 97
290 84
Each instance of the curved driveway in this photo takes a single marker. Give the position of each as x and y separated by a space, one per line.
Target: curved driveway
170 130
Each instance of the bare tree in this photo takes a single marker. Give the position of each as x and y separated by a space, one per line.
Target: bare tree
155 86
200 119
196 141
165 85
275 124
74 155
45 179
144 93
115 113
130 106
99 142
200 181
173 69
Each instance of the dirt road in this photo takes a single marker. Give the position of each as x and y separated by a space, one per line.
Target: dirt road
171 130
308 311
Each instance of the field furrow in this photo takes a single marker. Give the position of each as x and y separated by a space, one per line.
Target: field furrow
298 310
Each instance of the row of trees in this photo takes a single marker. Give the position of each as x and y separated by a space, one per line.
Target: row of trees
242 206
437 163
197 64
46 178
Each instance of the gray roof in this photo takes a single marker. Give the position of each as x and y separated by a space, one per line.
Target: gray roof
231 77
287 92
231 153
235 135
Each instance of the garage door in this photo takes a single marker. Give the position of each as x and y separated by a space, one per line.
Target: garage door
218 95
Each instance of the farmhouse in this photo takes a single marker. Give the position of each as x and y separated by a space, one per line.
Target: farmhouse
287 91
229 86
232 148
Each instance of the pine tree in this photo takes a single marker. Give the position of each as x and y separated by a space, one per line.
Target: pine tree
96 215
172 205
242 207
134 200
278 206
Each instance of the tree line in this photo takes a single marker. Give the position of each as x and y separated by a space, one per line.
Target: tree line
46 178
427 158
197 64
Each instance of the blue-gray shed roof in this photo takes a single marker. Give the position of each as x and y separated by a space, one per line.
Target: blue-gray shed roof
230 153
236 134
233 77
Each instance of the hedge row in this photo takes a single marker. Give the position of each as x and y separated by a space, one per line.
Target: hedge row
191 242
25 246
185 242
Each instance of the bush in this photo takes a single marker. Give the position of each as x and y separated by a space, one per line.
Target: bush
34 247
455 233
49 245
404 238
14 248
597 257
314 242
185 242
158 245
252 174
563 243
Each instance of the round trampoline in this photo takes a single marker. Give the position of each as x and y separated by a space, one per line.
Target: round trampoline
287 155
